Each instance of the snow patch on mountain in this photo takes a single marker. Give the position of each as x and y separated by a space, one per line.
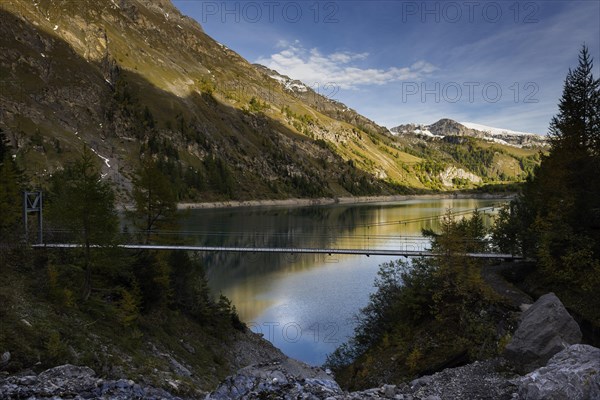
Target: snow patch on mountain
426 132
416 129
290 84
494 131
446 128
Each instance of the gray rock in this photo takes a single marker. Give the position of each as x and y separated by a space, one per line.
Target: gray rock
188 347
72 382
423 381
178 368
545 329
572 374
26 323
524 307
282 380
389 391
476 381
28 380
69 378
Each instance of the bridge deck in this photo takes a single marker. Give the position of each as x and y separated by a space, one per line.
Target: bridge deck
289 250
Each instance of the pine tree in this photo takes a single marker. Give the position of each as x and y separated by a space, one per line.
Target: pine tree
190 286
568 177
155 201
10 199
564 194
82 203
4 148
558 212
570 171
129 305
10 192
577 126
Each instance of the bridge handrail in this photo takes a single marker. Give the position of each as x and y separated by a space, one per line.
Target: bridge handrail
286 250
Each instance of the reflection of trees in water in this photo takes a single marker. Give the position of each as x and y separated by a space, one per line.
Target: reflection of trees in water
276 227
333 226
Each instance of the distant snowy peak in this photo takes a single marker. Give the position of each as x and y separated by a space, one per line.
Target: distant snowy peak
416 129
447 128
494 131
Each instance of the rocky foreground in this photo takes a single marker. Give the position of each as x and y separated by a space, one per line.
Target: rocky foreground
543 361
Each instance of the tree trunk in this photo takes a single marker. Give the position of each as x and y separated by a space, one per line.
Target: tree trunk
87 280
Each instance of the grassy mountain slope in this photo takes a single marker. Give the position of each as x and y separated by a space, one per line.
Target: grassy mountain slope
440 161
135 78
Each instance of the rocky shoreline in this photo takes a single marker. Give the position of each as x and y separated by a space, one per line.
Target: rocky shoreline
338 200
543 361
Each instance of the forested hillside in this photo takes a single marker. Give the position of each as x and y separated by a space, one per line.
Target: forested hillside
142 315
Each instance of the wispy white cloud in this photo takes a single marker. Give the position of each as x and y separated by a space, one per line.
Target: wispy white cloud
339 68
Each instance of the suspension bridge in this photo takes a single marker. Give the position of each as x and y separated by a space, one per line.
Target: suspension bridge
268 242
290 250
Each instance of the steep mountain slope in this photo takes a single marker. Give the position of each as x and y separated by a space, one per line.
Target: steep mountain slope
135 79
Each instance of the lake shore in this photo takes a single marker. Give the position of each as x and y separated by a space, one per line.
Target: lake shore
338 200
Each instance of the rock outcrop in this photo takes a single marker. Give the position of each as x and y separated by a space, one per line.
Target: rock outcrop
72 382
572 374
448 176
288 379
546 328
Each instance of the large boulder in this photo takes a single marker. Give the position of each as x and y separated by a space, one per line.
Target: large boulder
572 374
546 328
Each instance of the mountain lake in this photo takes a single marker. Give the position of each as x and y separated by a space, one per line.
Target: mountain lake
306 304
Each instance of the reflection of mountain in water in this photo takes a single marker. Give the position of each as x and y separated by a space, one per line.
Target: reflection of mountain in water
354 226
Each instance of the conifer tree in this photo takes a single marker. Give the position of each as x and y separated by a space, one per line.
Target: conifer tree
10 192
4 148
155 201
558 213
564 192
10 199
577 124
82 203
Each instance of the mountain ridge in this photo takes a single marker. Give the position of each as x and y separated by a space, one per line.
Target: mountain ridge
448 127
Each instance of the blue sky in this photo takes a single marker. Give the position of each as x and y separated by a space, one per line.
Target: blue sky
498 63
